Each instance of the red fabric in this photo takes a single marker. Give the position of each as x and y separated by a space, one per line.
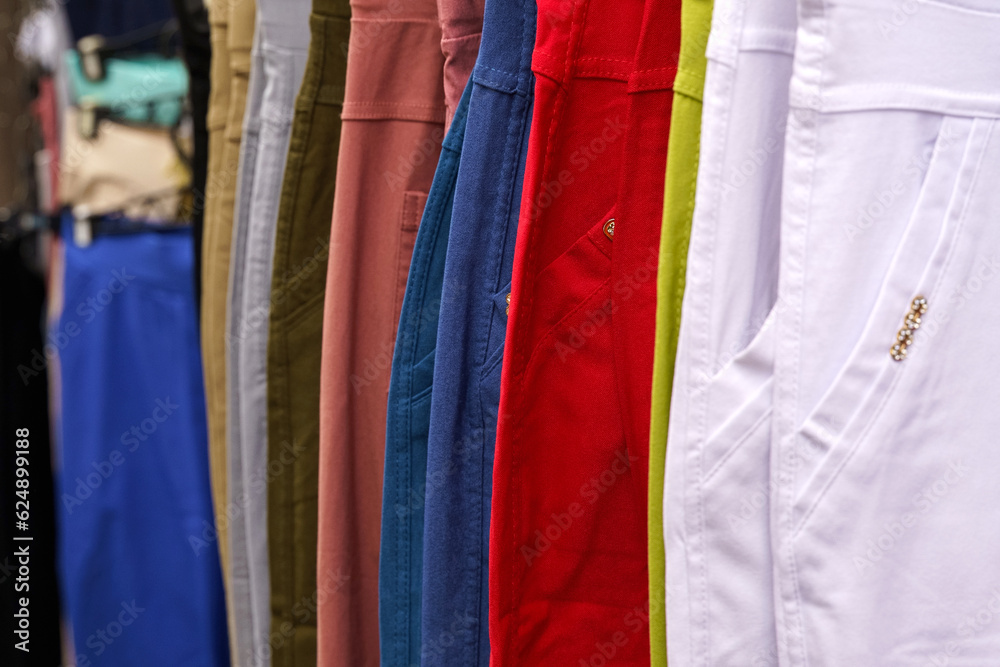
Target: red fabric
46 111
568 573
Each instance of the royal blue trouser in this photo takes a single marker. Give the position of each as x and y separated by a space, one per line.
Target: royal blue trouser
408 415
139 571
470 336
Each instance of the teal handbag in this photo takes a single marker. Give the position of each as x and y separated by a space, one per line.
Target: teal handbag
145 89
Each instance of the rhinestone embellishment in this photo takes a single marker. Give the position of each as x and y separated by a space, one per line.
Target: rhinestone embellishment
609 229
912 322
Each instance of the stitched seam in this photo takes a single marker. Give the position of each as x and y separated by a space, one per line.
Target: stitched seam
736 445
890 391
550 333
558 113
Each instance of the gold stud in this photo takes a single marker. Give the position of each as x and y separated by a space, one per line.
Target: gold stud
911 322
507 309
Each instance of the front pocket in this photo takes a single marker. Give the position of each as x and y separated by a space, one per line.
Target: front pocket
489 374
413 209
569 280
738 400
839 422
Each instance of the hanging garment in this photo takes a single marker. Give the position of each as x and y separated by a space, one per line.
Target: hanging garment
718 557
461 31
473 316
232 33
678 209
408 415
279 60
568 577
99 174
636 240
301 247
885 420
391 137
114 18
147 88
139 571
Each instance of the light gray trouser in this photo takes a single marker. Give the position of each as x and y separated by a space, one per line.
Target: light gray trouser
281 45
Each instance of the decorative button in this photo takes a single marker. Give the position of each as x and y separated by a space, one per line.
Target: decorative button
507 309
609 228
912 321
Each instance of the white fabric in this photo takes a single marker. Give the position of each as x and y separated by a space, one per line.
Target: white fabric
884 520
718 552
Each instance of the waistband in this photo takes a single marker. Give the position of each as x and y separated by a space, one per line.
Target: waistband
460 18
658 52
696 22
586 38
504 61
935 55
751 25
324 83
622 40
241 34
394 62
284 23
218 14
332 8
242 18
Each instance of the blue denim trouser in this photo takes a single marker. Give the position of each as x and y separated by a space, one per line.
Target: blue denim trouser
455 628
409 411
139 569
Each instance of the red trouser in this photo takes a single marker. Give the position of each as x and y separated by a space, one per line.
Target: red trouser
568 578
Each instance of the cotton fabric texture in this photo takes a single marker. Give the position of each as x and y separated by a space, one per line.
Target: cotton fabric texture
409 410
883 501
718 557
393 117
470 342
461 31
279 60
678 209
135 510
298 281
568 551
232 34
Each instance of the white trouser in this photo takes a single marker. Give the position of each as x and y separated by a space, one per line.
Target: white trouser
718 551
885 518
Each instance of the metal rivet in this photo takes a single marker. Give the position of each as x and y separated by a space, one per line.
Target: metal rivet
911 322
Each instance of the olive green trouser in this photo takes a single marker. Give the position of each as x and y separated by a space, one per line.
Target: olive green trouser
678 209
295 339
232 23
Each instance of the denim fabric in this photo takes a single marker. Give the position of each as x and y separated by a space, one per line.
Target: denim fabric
471 333
139 571
280 50
409 411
